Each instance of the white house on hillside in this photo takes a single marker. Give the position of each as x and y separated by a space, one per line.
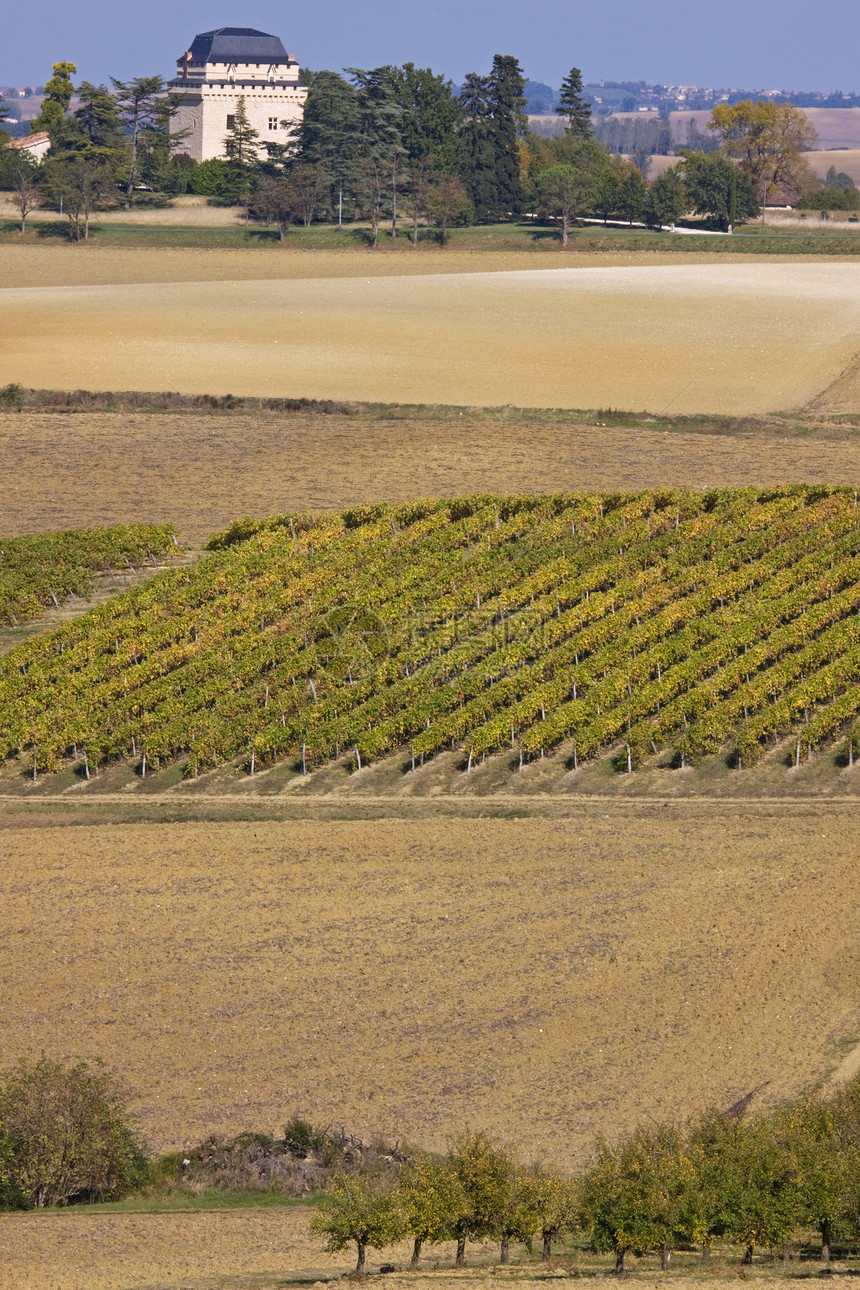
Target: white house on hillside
34 145
228 64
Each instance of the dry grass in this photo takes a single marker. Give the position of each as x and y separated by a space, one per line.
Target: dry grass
200 472
546 978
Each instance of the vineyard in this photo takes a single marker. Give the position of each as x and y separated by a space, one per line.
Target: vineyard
37 572
630 625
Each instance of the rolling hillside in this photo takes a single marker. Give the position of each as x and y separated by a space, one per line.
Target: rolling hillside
654 624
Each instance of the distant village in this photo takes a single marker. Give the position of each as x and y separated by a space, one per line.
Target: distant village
606 98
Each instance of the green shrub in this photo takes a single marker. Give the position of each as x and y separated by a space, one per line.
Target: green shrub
66 1136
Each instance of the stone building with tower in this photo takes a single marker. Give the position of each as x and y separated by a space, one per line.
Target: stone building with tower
220 68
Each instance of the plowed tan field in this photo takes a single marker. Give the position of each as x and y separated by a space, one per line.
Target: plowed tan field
730 338
200 472
259 1250
546 978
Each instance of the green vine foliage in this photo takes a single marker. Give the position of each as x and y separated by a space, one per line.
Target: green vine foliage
660 620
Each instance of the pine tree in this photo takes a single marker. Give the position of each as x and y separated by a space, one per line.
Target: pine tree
475 152
573 106
506 94
241 140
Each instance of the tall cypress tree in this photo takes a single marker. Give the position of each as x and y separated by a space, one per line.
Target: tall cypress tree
506 95
573 105
475 150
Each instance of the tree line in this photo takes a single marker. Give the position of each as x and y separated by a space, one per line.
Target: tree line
729 1177
755 1181
397 145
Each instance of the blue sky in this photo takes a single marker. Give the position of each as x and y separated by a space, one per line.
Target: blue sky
761 44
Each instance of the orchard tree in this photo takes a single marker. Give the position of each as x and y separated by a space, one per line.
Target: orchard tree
768 139
573 106
66 1135
429 1194
556 1204
518 1218
718 188
824 1164
484 1175
633 1196
361 1207
746 1184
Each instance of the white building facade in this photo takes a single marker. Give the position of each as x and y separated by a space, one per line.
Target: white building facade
220 68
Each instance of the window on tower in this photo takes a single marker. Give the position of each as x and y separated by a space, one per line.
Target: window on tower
231 122
273 123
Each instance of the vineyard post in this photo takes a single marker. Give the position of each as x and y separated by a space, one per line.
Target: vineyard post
143 764
851 750
629 760
304 759
253 752
34 765
468 765
357 758
575 762
521 759
797 755
86 765
413 759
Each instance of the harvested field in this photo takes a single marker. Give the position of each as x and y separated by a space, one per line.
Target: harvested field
200 472
63 264
591 337
267 1250
82 1251
547 978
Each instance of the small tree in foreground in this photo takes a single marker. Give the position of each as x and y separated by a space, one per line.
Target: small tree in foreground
484 1173
364 1208
556 1205
430 1194
65 1135
634 1196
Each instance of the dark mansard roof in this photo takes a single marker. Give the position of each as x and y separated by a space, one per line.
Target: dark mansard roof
237 45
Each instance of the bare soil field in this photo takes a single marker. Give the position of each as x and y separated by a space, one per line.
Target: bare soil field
629 337
546 978
200 472
267 1250
64 264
